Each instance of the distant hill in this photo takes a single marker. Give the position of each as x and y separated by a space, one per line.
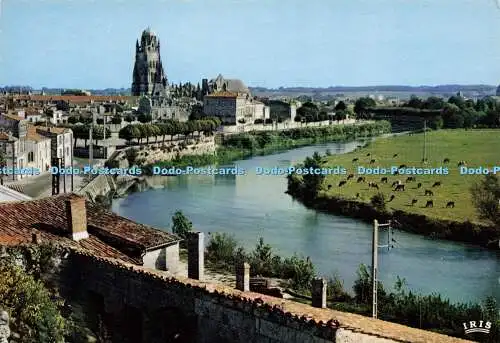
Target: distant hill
389 88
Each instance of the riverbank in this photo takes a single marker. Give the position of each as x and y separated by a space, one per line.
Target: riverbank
351 194
245 145
466 232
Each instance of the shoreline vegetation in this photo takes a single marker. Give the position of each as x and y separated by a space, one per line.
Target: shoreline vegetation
354 198
246 145
399 304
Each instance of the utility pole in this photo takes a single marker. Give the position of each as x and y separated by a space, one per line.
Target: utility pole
424 159
374 267
375 247
91 148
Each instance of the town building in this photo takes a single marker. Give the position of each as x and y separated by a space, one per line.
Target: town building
76 223
281 110
23 148
61 145
232 102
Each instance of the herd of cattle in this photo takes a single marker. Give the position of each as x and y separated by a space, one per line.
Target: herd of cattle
398 185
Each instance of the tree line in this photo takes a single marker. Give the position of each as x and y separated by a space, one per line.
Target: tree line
456 112
168 128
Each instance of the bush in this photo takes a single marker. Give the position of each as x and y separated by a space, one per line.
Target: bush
378 201
36 314
222 248
131 155
181 226
258 121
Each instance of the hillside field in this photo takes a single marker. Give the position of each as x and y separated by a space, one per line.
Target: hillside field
475 147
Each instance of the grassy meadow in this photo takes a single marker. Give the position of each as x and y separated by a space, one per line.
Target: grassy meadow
476 147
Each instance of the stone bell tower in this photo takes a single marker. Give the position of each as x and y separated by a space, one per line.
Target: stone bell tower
148 77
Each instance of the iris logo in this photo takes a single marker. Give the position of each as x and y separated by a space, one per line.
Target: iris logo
472 327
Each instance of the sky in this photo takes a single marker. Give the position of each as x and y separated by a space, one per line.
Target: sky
268 43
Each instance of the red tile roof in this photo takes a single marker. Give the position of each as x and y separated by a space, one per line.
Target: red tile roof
75 98
110 235
33 135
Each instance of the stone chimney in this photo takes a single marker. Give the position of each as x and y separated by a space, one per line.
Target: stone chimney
243 277
196 255
76 217
319 292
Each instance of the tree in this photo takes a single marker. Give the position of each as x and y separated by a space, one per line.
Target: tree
313 181
36 313
486 198
415 102
145 106
181 225
341 106
433 103
362 105
457 100
144 118
116 120
129 132
378 201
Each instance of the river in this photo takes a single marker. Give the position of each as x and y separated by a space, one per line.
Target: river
251 206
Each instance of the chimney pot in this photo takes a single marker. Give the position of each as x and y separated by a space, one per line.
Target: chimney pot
76 216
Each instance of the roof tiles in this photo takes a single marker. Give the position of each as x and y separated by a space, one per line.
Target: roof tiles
110 235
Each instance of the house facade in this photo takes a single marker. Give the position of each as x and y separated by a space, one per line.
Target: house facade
22 148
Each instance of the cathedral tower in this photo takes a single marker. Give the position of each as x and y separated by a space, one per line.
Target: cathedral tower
148 76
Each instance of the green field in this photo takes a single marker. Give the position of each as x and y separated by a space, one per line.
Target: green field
476 147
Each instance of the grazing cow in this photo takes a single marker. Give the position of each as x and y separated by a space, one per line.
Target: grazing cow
419 185
392 197
446 160
395 155
383 180
402 166
361 179
400 188
373 184
429 192
436 184
368 154
429 203
341 183
329 187
414 201
357 195
372 161
450 204
395 183
350 176
411 178
354 160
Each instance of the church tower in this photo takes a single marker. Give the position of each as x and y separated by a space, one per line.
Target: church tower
148 77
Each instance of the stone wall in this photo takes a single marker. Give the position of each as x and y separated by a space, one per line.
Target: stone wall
281 126
168 150
100 185
194 311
